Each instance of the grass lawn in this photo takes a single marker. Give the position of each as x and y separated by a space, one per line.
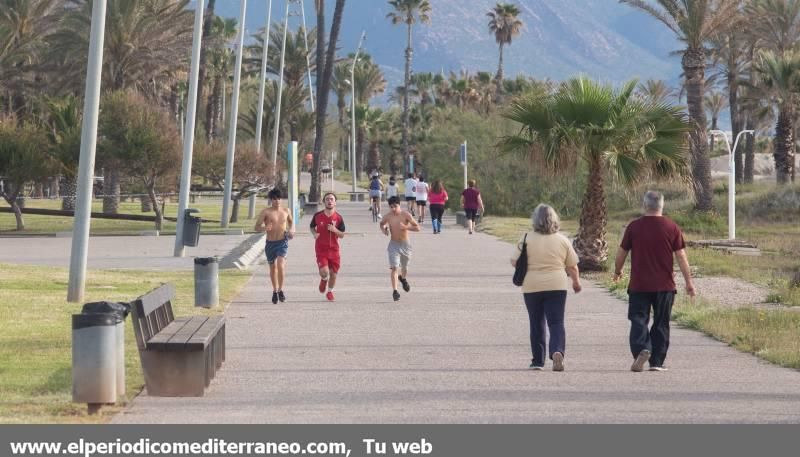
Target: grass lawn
36 346
209 209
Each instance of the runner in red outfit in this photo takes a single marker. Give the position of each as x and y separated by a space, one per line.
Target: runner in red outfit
327 226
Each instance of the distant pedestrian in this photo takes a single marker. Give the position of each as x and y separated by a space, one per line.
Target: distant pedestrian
277 223
437 198
391 189
653 240
422 198
375 192
411 193
544 289
327 226
396 224
472 202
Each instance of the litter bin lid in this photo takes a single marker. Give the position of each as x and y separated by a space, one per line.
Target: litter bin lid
205 260
117 309
80 321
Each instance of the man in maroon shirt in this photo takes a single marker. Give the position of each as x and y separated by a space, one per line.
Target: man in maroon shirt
652 240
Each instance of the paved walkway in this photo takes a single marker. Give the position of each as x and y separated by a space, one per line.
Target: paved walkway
453 350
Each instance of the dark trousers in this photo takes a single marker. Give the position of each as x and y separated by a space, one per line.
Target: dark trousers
655 339
436 216
546 307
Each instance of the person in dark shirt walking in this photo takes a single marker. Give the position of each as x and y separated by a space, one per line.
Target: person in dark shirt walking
653 240
472 202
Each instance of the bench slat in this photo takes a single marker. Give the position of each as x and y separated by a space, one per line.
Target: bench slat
203 336
177 341
156 298
169 331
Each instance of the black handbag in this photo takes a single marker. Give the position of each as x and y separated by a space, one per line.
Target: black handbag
521 269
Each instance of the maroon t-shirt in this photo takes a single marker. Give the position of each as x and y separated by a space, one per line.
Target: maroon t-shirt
652 242
471 198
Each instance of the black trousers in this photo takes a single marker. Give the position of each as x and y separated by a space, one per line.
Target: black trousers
656 338
546 308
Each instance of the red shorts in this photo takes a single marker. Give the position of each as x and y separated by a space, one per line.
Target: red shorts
330 260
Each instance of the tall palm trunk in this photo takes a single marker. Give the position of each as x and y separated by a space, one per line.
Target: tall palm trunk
111 190
374 157
151 193
325 70
784 145
499 76
359 152
406 83
68 193
733 102
213 108
693 63
711 141
208 22
590 242
749 151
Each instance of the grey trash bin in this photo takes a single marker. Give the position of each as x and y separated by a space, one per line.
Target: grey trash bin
206 282
191 228
98 354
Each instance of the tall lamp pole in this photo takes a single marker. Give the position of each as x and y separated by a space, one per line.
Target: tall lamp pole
237 78
188 131
251 211
731 179
91 108
353 109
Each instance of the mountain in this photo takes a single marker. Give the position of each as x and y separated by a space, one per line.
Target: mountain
561 38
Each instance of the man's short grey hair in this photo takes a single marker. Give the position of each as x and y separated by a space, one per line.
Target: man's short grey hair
653 201
545 220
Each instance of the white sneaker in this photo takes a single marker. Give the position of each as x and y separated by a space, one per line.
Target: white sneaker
558 361
657 368
641 359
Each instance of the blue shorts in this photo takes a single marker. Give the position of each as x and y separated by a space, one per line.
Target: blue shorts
275 249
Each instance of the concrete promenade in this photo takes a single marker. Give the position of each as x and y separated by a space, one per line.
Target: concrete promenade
453 350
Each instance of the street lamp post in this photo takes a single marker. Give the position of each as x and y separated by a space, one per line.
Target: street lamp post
731 180
83 201
353 109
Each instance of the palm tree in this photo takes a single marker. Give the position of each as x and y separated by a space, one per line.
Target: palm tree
24 27
730 59
655 90
145 41
64 133
220 62
324 74
694 22
775 23
209 20
780 77
408 12
369 80
613 132
715 102
504 24
295 63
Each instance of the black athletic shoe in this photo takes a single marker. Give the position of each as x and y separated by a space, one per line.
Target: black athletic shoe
396 295
281 297
404 282
274 298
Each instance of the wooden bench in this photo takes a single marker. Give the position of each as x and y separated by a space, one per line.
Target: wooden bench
179 356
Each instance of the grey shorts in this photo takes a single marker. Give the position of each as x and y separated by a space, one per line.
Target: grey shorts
399 253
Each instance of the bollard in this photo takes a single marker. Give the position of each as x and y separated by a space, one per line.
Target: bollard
206 282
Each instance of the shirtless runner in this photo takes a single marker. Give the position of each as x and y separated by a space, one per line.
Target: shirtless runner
277 223
396 224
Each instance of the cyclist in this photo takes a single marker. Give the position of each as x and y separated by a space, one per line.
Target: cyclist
375 191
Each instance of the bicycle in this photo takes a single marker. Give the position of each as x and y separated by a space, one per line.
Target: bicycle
376 214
